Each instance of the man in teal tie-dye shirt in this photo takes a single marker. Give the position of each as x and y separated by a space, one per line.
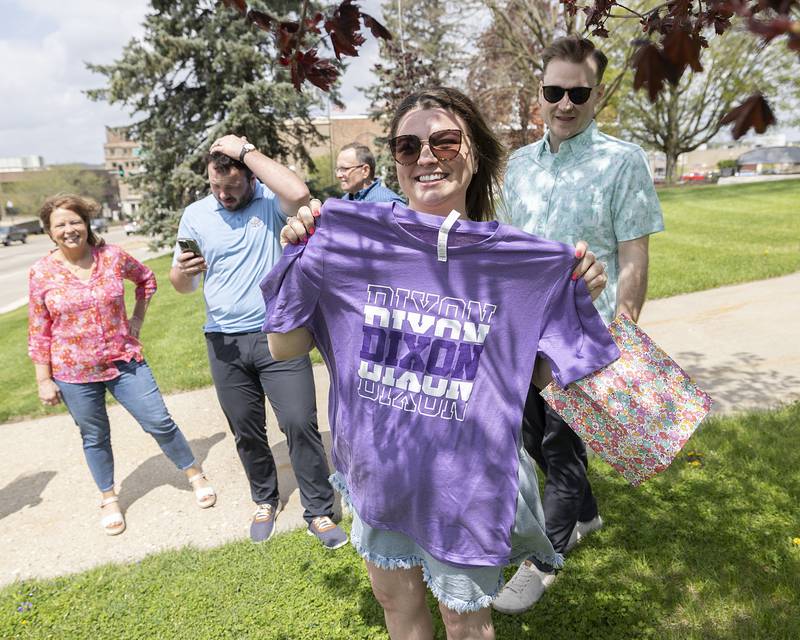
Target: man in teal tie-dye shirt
576 184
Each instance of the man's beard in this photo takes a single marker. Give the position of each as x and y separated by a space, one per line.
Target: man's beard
244 201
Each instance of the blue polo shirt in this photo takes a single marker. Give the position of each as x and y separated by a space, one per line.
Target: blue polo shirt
375 192
240 247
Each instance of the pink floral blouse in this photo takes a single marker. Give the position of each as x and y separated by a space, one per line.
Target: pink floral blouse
80 327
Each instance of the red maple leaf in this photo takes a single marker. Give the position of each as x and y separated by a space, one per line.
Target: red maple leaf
597 14
651 69
308 66
237 5
682 49
343 27
260 19
679 8
753 113
570 7
286 37
312 24
377 29
651 22
719 18
771 29
781 7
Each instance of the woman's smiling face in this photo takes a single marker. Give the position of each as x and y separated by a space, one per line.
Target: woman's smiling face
432 185
67 229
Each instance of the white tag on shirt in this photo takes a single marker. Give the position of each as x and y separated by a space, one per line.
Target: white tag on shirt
444 230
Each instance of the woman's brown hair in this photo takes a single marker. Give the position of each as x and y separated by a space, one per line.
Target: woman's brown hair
488 149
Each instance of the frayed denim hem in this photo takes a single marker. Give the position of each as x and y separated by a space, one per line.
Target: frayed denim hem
455 604
556 561
338 484
407 562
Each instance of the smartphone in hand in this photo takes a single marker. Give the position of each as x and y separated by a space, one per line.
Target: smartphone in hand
190 245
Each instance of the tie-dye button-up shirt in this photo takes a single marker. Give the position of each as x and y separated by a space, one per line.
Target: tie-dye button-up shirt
80 327
596 188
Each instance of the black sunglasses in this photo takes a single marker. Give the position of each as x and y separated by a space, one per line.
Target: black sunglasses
577 95
444 145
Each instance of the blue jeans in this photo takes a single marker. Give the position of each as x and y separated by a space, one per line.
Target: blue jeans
137 391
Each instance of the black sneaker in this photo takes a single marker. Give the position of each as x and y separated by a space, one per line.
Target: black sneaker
329 534
263 525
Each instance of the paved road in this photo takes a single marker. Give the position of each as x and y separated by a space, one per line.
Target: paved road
738 342
16 259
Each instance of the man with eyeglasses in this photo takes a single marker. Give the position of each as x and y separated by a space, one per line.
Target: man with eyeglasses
577 183
355 170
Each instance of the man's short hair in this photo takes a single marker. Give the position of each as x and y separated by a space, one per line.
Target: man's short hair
224 163
363 156
575 49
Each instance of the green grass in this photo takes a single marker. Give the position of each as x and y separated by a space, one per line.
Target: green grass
715 236
172 335
703 551
718 235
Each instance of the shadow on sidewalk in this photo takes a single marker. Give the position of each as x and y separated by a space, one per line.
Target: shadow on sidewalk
158 471
741 380
24 491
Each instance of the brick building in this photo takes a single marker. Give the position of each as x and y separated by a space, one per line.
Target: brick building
122 157
337 131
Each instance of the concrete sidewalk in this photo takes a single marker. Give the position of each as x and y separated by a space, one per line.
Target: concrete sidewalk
738 342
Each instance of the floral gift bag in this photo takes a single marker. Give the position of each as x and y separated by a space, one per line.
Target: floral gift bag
636 413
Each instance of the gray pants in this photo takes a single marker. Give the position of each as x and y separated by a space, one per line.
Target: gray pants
243 372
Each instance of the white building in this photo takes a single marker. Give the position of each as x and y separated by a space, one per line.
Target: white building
21 163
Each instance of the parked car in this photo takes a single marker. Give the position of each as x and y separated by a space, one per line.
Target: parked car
99 225
694 176
131 227
31 227
12 234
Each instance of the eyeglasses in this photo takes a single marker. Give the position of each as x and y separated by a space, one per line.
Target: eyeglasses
339 170
577 95
444 145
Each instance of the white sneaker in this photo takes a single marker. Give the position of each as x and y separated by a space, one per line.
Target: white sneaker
524 589
583 529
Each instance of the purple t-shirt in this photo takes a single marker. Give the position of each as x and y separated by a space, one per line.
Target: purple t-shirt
430 362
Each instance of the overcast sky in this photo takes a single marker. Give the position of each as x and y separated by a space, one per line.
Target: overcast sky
43 47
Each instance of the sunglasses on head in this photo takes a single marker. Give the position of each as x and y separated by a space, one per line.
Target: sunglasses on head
444 145
577 95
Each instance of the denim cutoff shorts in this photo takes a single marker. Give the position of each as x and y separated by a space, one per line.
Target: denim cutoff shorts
462 589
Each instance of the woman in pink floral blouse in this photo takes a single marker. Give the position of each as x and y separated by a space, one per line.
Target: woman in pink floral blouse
82 343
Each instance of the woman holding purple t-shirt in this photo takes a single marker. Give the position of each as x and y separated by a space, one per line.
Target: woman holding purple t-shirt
416 324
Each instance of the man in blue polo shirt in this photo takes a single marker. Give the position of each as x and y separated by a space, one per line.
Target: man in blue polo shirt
355 170
576 183
236 229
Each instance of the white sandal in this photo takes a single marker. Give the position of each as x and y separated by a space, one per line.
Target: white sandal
111 522
204 496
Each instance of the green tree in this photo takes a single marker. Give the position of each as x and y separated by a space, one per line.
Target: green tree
688 114
518 33
199 72
30 191
502 88
320 182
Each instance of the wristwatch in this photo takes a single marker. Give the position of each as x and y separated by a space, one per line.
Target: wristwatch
246 148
